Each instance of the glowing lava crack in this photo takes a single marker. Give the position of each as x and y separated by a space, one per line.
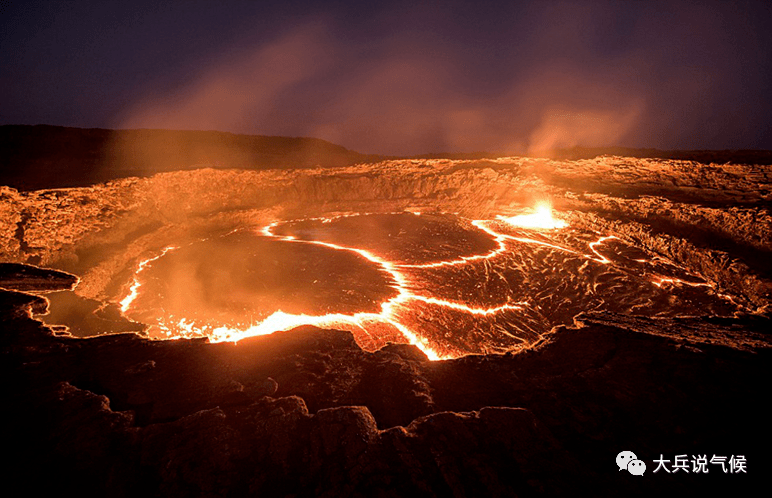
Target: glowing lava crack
511 280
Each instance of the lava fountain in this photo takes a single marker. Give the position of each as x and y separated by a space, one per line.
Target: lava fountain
540 219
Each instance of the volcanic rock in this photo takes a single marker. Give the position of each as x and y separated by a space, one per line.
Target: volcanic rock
29 278
122 415
309 412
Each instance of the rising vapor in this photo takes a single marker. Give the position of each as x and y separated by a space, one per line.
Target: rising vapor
590 76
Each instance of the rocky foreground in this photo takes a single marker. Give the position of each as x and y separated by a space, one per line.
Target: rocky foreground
308 412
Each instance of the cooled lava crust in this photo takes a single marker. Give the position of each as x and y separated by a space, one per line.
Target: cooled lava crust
317 411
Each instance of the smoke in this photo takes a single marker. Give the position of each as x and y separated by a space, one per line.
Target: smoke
239 92
576 108
395 102
562 75
561 129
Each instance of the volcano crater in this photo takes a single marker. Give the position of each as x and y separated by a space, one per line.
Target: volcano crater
620 330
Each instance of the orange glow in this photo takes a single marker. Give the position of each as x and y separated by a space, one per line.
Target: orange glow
135 285
660 281
601 258
541 219
173 328
468 259
389 322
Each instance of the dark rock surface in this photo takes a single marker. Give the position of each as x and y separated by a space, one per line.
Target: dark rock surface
30 278
307 412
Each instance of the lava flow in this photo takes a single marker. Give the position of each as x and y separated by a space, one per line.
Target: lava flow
447 285
135 285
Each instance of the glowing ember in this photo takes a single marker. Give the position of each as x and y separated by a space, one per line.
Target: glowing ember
542 219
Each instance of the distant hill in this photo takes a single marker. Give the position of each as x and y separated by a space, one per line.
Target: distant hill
702 156
575 153
42 156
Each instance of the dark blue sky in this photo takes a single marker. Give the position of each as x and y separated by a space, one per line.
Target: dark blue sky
396 77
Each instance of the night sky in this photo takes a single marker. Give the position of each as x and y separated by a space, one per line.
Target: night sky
399 77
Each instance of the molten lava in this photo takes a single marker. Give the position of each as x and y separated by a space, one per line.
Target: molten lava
494 285
135 285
